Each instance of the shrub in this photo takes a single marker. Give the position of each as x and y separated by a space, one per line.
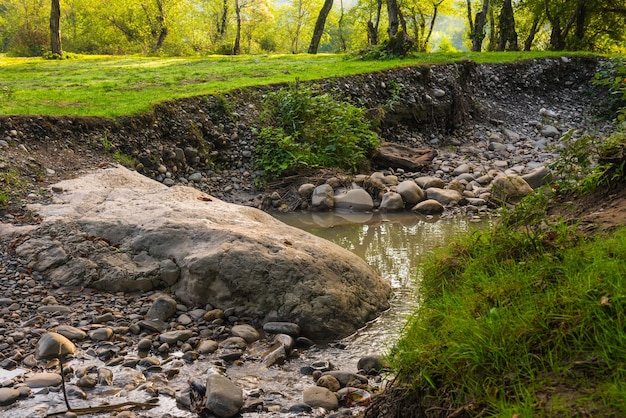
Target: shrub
303 128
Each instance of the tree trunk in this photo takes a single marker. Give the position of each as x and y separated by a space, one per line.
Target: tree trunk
55 28
224 20
342 39
531 35
161 26
478 34
432 24
319 26
237 45
372 28
392 13
507 36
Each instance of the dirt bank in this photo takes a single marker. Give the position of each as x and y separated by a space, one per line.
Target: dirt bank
443 106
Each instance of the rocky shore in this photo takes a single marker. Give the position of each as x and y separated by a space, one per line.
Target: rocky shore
484 123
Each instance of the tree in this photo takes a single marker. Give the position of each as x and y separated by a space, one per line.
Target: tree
319 26
393 13
55 28
507 36
477 25
421 16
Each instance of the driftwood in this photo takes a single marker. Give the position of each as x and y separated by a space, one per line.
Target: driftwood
399 156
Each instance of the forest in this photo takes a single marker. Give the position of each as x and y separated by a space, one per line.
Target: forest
56 28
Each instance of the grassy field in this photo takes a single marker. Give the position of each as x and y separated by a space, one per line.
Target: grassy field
115 86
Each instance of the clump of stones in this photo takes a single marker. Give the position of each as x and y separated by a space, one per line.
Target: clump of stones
143 346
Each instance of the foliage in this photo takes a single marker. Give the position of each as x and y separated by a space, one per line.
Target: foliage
4 199
304 128
613 75
508 315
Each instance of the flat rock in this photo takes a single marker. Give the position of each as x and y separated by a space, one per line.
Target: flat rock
43 380
401 156
118 228
443 196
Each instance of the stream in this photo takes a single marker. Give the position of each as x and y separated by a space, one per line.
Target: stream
393 244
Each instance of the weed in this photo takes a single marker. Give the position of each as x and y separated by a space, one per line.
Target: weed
4 199
303 128
106 144
124 159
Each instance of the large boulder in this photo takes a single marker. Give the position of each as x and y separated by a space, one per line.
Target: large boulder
121 231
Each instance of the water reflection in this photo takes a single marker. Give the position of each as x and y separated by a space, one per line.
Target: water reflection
394 244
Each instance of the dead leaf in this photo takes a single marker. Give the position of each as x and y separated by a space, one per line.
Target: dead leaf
205 198
605 301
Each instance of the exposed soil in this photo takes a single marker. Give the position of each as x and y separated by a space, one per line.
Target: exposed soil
44 150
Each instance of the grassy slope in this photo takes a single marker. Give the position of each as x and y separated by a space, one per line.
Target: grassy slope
115 86
521 322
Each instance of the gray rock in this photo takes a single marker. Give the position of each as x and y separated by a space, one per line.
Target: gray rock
444 196
306 190
373 364
54 308
539 177
285 340
550 131
426 182
462 169
497 146
510 188
392 202
195 177
162 308
172 337
510 135
207 347
51 345
347 378
288 328
247 332
320 397
357 200
323 198
411 193
228 255
234 343
223 398
428 207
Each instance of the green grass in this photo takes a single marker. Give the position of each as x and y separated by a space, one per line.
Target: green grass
523 322
115 86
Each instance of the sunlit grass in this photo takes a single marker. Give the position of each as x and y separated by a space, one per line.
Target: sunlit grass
522 323
114 86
